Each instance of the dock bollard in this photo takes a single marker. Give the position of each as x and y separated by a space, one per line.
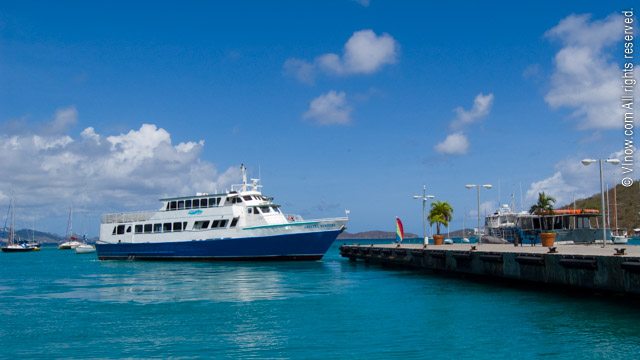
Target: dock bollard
619 251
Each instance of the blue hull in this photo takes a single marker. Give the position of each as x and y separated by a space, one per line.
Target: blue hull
305 246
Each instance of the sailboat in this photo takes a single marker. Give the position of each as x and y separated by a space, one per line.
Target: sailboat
85 248
465 239
13 243
71 240
448 240
619 236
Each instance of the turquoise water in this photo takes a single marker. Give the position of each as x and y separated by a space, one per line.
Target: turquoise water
59 304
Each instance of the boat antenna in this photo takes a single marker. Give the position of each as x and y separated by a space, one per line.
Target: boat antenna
243 169
521 198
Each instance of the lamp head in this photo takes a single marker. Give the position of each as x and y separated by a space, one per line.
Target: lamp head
417 197
487 186
613 161
430 197
470 186
586 162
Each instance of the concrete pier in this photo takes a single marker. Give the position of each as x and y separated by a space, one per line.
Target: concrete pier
613 269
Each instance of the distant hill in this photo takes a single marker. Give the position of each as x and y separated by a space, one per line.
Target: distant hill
39 236
628 203
374 235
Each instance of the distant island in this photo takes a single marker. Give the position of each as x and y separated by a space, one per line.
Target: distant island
375 234
38 236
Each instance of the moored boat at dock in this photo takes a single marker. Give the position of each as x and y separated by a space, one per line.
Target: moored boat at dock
571 226
240 224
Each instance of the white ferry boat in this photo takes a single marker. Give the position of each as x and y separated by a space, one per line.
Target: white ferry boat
240 224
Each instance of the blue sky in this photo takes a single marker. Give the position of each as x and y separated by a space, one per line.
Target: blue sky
219 84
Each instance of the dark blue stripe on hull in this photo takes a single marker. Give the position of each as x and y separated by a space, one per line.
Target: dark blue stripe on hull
304 246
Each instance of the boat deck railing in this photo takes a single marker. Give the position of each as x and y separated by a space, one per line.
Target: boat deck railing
127 217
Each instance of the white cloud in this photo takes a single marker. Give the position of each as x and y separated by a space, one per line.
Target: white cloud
573 179
303 71
47 173
90 134
64 118
364 53
585 78
457 143
454 144
480 109
330 109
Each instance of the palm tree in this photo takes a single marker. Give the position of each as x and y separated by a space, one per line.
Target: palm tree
543 206
440 214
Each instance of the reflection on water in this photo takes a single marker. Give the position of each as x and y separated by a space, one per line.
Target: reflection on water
160 282
328 309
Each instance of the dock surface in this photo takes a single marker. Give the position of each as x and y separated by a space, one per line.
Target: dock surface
612 269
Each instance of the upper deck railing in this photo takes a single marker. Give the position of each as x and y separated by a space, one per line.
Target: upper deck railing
127 217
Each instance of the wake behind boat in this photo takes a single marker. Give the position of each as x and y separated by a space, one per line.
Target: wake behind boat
241 224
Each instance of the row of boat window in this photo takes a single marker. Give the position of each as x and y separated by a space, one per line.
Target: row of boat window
193 203
263 209
207 202
173 227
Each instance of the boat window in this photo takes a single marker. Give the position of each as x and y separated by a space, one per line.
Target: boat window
157 228
184 225
275 209
196 203
147 228
177 226
173 204
180 204
250 210
265 209
187 204
199 225
215 224
247 197
168 207
114 230
583 222
166 227
203 203
129 228
120 229
138 229
218 201
255 210
223 223
234 221
212 202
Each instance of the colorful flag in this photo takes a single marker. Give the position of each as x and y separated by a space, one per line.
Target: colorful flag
399 231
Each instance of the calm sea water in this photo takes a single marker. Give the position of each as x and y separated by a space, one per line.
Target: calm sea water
58 304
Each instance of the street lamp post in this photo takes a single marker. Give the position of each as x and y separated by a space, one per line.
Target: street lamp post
587 162
424 197
478 186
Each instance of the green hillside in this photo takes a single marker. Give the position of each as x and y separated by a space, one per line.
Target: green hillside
628 204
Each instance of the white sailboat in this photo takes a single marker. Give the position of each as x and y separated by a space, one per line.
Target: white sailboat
618 236
71 240
465 239
85 249
448 240
13 242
